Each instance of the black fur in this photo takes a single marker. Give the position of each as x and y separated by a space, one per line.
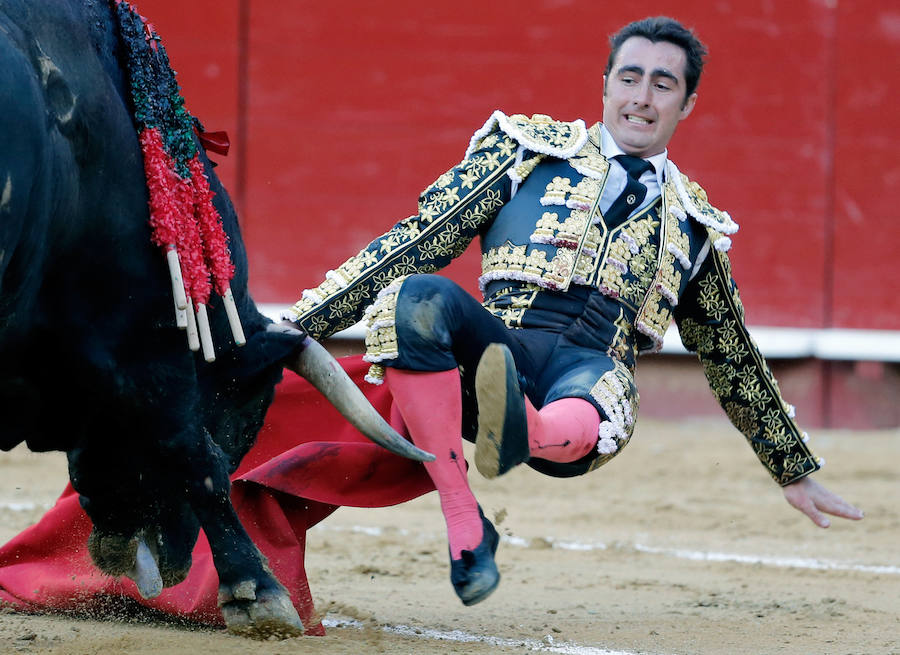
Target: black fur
91 362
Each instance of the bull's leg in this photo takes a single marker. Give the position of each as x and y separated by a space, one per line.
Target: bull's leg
252 601
177 534
192 473
146 557
121 514
163 556
155 550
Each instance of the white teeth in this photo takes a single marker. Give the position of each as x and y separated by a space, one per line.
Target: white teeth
637 119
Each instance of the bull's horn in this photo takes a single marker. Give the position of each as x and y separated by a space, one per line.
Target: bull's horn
316 365
145 572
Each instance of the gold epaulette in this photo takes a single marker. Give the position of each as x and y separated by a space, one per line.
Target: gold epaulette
539 133
693 199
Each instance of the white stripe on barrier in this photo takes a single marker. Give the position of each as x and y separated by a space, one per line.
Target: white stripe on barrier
774 342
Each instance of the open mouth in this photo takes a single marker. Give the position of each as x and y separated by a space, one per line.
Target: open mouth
637 120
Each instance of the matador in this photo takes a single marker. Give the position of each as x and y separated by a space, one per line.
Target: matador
592 242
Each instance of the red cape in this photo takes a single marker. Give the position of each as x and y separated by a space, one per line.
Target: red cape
291 479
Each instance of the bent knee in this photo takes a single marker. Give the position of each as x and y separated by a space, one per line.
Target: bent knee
411 324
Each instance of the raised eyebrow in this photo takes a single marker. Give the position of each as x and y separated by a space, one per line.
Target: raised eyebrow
632 68
666 73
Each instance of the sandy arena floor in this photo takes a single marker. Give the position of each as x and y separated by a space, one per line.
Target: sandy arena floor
682 545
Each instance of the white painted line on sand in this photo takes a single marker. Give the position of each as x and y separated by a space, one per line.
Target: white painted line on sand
680 553
22 506
781 562
547 645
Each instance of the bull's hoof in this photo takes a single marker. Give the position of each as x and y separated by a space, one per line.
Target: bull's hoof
262 615
140 557
173 574
114 554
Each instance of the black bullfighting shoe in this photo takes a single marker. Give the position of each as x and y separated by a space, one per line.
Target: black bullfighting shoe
474 575
502 441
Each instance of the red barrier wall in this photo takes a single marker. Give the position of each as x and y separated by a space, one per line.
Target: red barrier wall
340 113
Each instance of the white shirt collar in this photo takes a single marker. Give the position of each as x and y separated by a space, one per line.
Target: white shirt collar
609 148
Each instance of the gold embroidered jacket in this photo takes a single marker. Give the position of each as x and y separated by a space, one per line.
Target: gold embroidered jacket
547 232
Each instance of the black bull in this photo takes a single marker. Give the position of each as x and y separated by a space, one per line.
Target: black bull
91 362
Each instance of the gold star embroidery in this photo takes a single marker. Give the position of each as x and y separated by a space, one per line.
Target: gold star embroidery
468 179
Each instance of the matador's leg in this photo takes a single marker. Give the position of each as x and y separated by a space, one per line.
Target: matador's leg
587 399
511 430
433 321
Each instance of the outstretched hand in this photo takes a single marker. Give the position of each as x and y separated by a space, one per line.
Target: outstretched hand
814 500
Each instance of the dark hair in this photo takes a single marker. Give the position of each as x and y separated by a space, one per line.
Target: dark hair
663 28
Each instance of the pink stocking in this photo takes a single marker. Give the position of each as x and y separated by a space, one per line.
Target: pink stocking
562 431
431 406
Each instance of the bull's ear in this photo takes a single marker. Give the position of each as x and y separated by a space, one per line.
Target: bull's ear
286 327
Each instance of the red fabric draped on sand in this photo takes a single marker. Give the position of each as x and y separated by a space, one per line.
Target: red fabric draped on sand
306 463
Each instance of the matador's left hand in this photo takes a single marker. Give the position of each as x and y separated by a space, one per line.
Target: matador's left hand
814 500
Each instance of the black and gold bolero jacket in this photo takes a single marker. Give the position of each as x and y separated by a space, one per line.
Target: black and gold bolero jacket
669 262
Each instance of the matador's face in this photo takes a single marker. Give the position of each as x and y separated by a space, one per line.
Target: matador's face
644 95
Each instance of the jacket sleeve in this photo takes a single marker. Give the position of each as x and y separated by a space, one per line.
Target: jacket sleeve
710 320
452 212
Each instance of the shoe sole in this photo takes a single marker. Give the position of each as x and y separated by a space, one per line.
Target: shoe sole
482 594
491 583
491 392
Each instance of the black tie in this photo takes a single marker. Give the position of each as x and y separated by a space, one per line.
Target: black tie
634 192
